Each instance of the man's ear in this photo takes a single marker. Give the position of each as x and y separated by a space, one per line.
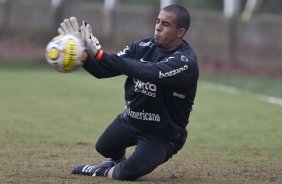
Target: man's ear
181 32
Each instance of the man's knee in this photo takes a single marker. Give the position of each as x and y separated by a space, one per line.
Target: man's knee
130 172
110 151
125 174
99 148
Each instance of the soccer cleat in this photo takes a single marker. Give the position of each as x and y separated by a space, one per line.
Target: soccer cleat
97 170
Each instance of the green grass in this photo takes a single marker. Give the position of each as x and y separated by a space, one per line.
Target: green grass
50 122
258 85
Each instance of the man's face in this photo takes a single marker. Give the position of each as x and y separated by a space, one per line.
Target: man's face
166 32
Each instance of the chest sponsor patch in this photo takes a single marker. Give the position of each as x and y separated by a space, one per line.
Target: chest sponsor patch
146 88
173 72
142 115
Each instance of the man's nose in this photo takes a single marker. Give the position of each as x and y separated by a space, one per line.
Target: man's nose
158 27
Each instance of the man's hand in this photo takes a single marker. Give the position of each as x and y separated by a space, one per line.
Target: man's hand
70 26
92 43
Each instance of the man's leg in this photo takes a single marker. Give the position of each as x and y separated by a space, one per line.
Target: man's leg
150 152
115 139
111 144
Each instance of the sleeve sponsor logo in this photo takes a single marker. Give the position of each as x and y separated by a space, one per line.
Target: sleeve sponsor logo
123 52
173 72
145 44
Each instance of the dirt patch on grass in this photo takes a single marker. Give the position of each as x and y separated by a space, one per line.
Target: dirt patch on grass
240 172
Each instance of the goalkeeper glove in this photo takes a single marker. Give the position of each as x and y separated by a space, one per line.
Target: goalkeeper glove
92 43
70 26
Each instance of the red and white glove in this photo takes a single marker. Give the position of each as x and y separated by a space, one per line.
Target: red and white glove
92 43
70 26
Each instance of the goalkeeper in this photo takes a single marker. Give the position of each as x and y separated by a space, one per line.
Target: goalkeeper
160 88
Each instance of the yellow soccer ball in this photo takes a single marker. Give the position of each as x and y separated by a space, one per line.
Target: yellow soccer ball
65 53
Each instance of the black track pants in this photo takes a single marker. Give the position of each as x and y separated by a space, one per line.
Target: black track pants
150 151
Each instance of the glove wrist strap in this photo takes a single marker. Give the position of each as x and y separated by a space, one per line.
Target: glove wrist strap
99 55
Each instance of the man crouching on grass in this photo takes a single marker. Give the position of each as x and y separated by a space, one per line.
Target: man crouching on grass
160 89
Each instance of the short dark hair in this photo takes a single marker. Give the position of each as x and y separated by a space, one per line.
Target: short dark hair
182 15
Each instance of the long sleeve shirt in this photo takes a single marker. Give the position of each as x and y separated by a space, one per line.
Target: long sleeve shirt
160 87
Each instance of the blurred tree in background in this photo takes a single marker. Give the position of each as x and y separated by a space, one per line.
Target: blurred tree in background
271 7
27 25
203 4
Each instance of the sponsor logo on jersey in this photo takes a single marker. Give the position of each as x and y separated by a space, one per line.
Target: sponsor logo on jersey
145 44
143 61
123 52
172 72
146 88
166 59
144 116
179 95
184 58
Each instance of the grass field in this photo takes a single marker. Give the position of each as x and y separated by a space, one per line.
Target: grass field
49 123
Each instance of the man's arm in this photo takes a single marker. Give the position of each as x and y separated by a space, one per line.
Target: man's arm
98 69
178 70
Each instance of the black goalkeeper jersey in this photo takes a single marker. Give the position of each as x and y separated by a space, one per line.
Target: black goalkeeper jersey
160 87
